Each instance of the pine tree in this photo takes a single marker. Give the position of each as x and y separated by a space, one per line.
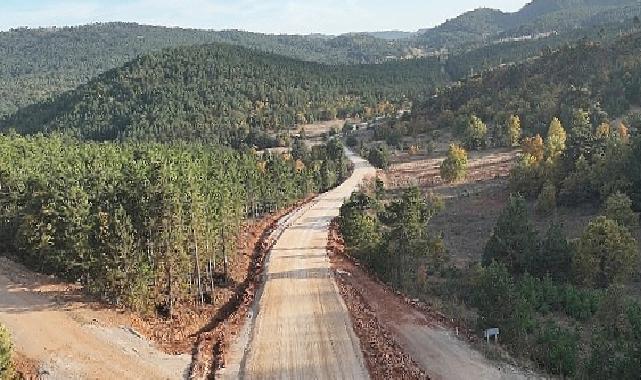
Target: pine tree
513 241
555 143
554 258
513 130
454 167
606 254
475 137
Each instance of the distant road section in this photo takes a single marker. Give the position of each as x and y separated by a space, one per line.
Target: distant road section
301 328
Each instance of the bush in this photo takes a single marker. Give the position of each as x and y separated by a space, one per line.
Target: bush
556 349
616 347
500 305
475 136
513 241
606 254
351 141
535 147
554 257
358 226
526 177
513 131
556 139
454 168
379 157
618 207
6 370
546 203
578 187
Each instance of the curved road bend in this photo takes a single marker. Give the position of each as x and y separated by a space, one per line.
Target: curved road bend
301 328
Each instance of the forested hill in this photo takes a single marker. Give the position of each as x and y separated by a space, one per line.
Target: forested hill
222 93
38 63
603 79
483 26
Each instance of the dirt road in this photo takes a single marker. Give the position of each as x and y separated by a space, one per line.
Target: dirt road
301 328
69 340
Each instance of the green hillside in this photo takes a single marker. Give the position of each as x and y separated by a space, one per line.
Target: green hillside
36 64
483 26
222 94
602 78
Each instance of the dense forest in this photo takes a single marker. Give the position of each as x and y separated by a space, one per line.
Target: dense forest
223 94
144 225
36 64
485 26
474 61
601 78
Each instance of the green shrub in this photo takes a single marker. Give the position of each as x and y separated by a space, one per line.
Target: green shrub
580 304
578 187
513 241
606 254
6 370
379 157
554 257
526 177
351 141
547 296
618 207
546 203
616 347
501 305
454 168
475 136
556 349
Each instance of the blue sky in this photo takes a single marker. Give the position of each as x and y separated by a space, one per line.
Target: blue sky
269 16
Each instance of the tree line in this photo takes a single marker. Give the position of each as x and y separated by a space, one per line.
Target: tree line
144 225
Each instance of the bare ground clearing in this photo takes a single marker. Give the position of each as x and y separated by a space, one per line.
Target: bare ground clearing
73 339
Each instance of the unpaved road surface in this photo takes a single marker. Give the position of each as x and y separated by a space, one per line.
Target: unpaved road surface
301 328
69 341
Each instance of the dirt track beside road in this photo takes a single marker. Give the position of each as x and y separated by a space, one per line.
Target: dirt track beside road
69 340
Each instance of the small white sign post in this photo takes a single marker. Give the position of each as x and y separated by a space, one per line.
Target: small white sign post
492 333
